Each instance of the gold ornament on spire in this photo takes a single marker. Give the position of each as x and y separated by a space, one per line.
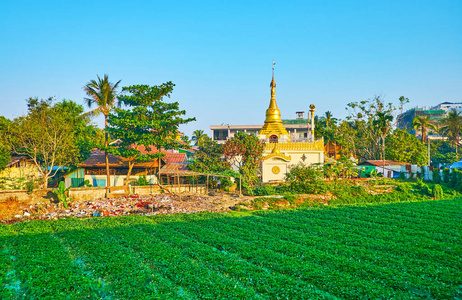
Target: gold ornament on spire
273 122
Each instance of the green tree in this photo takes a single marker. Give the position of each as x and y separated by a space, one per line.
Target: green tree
197 136
404 147
383 122
186 139
371 120
46 136
103 94
86 135
442 153
147 121
5 147
209 158
328 119
422 123
245 152
452 129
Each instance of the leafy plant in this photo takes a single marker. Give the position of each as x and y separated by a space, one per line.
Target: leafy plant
438 192
30 185
142 181
62 193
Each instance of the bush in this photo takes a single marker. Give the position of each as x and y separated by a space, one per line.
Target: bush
422 188
142 181
436 176
304 178
438 192
264 190
30 186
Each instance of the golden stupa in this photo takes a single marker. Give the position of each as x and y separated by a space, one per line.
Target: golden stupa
273 123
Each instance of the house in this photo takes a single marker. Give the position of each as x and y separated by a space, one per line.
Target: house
388 168
20 166
93 169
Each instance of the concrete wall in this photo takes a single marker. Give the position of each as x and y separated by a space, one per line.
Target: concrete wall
39 196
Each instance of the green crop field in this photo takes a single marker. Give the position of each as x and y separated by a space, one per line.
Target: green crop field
391 251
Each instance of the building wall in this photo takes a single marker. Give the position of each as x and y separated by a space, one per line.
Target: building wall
116 180
268 174
25 170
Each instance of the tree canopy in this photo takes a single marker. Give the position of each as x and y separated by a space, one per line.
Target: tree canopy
46 135
146 121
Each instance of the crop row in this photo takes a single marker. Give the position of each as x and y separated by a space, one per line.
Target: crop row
399 242
160 267
335 281
368 264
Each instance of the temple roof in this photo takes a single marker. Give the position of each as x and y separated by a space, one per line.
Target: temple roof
273 122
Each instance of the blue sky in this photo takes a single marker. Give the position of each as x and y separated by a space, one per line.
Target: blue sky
219 53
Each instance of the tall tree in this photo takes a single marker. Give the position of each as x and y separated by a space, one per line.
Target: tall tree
46 136
5 147
103 94
209 157
328 119
245 152
383 122
404 147
197 136
147 121
369 121
423 123
452 128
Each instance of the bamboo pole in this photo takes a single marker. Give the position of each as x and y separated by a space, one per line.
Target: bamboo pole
207 185
179 187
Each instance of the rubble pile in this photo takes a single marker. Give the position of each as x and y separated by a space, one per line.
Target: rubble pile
129 205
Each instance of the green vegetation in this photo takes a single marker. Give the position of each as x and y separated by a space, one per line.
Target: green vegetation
62 193
394 251
147 121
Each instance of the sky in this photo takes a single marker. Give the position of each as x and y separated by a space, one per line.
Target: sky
219 53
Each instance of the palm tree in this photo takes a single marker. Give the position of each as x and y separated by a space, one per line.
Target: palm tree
423 123
452 128
102 93
197 136
382 122
328 120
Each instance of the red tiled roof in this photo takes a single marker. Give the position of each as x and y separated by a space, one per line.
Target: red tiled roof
175 158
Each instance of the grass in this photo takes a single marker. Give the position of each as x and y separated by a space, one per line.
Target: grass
410 250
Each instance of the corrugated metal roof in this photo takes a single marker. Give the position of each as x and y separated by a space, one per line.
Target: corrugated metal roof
176 169
99 161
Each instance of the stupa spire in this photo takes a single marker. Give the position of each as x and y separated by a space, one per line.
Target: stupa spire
273 122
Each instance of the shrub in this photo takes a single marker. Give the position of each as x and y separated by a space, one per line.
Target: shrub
304 178
30 185
436 176
422 188
142 181
264 190
62 193
438 192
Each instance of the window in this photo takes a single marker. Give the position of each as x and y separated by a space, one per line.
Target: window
273 139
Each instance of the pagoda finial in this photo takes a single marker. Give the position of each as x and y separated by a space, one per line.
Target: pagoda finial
273 83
